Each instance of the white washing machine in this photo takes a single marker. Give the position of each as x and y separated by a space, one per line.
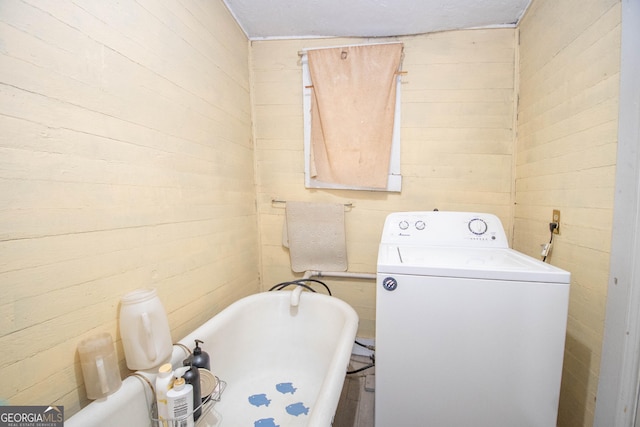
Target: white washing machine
469 333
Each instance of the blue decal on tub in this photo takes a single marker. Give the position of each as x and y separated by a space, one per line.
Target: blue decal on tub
297 409
265 422
259 400
285 388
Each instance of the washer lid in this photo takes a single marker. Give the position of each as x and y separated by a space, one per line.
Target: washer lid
474 263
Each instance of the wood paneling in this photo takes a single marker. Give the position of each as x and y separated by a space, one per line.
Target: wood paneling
126 161
566 159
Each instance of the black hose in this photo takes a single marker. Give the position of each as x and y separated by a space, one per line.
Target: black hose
355 371
301 282
368 347
320 282
281 286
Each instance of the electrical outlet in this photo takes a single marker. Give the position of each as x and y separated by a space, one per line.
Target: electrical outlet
556 218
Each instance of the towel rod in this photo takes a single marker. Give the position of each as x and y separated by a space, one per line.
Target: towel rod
346 205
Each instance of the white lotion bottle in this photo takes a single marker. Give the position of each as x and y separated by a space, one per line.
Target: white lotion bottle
164 382
180 402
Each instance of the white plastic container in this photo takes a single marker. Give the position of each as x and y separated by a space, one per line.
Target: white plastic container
99 365
164 382
180 402
144 327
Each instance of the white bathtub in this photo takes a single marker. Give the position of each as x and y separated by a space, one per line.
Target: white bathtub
284 365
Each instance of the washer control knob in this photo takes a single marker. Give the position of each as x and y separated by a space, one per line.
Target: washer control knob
477 226
420 225
403 225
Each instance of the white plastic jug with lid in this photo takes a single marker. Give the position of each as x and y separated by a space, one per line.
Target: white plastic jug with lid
144 327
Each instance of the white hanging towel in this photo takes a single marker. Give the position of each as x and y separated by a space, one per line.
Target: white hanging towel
315 236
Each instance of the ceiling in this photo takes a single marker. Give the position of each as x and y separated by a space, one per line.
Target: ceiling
265 19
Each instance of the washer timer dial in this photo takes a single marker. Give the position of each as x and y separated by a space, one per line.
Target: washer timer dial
477 226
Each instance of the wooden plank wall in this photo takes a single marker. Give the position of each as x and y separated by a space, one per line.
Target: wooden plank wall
457 140
126 161
566 159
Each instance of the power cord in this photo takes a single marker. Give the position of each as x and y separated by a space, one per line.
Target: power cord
546 248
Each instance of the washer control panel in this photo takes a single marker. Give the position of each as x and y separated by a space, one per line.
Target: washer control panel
442 228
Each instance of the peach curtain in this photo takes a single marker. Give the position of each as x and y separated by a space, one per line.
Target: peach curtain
352 113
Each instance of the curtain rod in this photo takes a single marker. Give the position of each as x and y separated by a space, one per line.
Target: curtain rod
304 51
